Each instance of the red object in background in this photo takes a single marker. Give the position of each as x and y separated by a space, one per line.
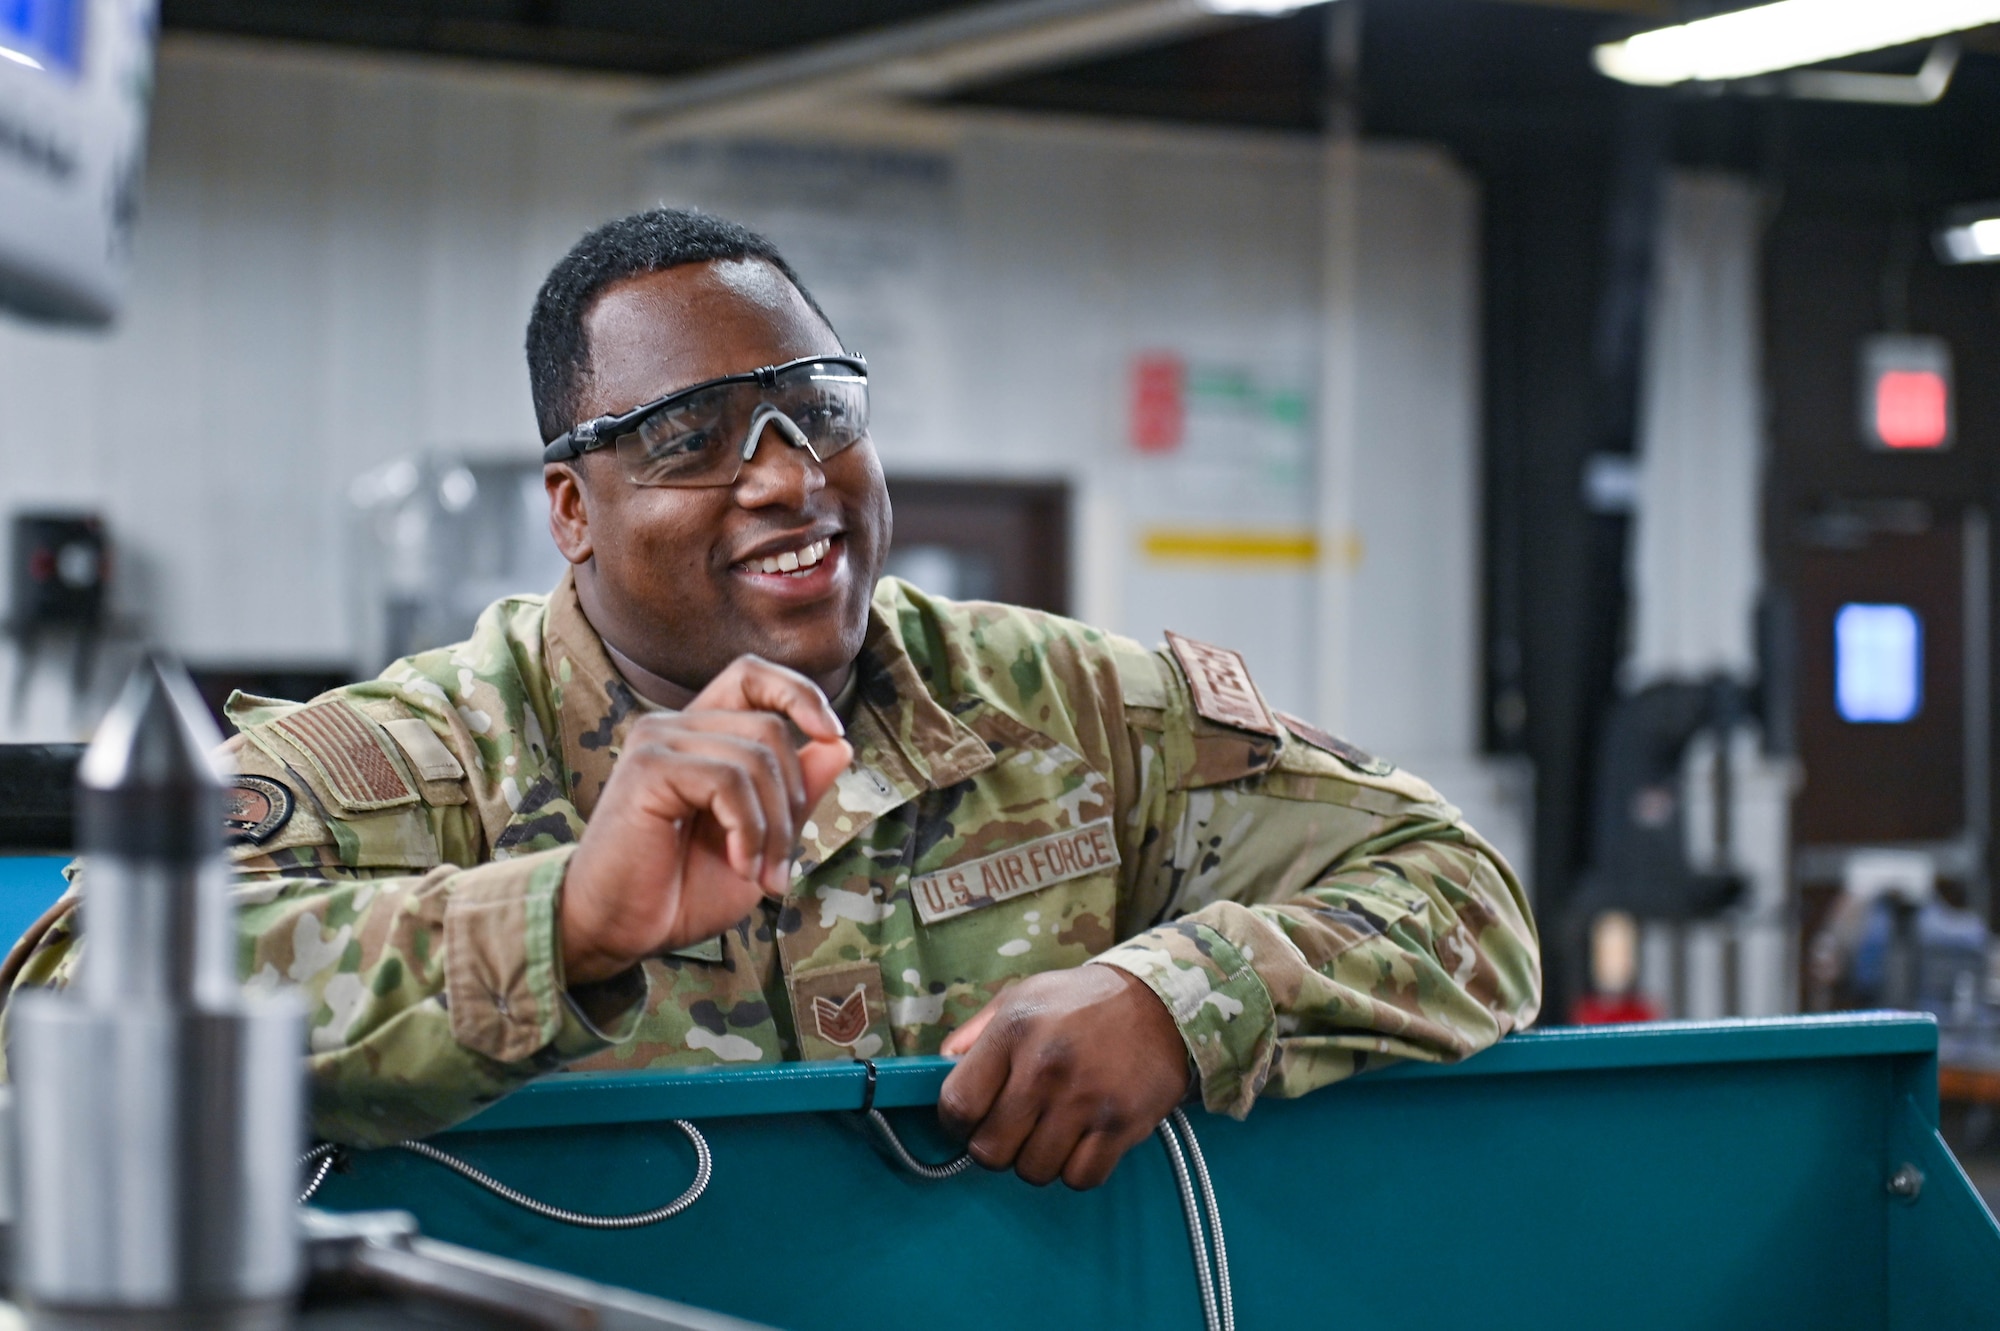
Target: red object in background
1620 1010
1159 402
1912 409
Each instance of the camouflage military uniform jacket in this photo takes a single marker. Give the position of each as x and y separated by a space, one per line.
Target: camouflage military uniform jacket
1027 793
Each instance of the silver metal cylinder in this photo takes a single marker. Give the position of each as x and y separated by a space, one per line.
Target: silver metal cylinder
159 1110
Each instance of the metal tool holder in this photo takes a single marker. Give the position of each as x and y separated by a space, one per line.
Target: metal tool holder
159 1107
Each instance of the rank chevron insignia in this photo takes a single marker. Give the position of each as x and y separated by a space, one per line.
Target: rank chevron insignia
844 1022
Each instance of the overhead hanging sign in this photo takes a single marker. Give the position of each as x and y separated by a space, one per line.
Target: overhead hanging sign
76 78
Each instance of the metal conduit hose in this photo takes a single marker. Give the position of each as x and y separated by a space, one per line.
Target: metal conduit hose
1197 1193
1176 1133
324 1157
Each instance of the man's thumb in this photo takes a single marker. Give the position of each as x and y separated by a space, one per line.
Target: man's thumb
961 1040
820 763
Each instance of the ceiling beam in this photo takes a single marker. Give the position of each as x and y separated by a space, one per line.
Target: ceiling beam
1652 9
925 58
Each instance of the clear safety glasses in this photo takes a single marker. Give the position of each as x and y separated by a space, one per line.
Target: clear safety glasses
703 435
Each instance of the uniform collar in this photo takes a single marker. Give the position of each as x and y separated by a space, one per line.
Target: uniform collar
594 705
905 740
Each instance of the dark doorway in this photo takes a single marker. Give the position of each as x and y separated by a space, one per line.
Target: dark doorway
984 540
1881 688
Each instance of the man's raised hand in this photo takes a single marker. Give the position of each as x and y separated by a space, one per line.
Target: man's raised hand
699 818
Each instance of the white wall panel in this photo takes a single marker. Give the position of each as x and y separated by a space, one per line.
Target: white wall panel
1415 608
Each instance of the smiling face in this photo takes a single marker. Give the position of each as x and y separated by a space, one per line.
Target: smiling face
683 581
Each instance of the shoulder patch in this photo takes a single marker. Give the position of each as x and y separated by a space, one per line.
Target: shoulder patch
1221 686
426 752
254 808
350 753
1140 678
1359 759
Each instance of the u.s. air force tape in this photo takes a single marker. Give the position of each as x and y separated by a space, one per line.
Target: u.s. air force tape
1028 867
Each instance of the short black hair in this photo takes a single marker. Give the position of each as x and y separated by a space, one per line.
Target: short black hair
647 242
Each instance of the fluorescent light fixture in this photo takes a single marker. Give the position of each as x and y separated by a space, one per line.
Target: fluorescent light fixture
1257 8
1971 235
19 57
1784 35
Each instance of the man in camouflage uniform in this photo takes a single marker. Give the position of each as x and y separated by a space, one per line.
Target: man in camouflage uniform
622 826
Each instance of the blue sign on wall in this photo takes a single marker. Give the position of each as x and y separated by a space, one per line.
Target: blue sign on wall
43 34
1878 663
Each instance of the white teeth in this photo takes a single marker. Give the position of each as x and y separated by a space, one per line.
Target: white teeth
793 561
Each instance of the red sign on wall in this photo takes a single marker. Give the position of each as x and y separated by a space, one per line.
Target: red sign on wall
1159 402
1912 409
1906 393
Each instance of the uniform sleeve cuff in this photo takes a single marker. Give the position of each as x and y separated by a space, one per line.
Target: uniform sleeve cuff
1218 1000
503 974
598 1016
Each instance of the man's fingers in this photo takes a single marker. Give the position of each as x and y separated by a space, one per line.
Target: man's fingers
725 792
996 1143
760 846
763 729
821 763
1055 1136
993 1098
775 790
751 683
1091 1163
968 1093
809 771
962 1039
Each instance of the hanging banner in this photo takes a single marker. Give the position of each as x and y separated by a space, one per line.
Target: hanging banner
76 78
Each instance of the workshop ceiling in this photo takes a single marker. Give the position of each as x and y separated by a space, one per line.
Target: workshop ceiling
1260 70
1470 73
637 36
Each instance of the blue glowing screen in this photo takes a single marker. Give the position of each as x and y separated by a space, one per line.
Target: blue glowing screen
43 33
1878 663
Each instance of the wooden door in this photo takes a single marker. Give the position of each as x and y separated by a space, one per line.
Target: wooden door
1871 781
984 540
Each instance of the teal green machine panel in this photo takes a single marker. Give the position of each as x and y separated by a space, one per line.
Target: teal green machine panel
29 885
1730 1175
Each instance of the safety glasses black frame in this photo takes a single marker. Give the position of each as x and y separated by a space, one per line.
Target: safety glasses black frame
604 430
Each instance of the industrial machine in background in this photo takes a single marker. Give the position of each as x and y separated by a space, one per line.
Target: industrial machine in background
437 539
1663 849
60 576
1640 855
61 580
